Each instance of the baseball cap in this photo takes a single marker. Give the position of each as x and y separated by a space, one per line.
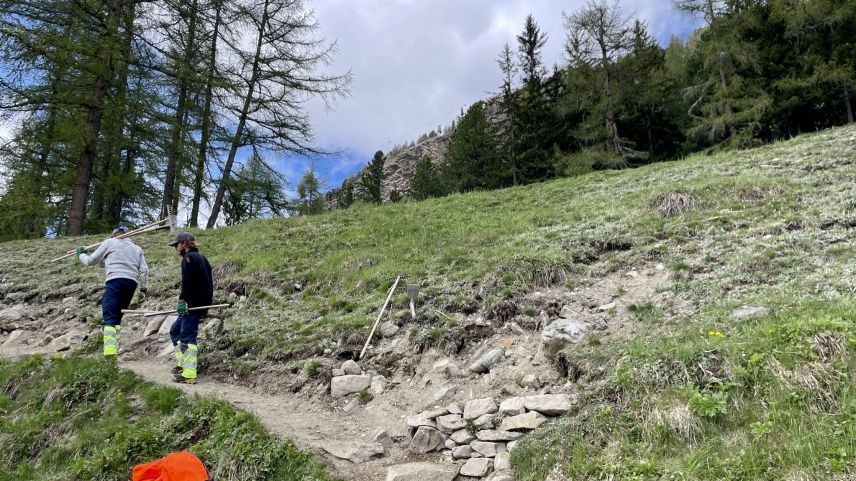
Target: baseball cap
119 231
181 237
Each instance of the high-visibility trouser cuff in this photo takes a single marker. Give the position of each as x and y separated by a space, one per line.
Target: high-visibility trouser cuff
111 341
188 366
179 354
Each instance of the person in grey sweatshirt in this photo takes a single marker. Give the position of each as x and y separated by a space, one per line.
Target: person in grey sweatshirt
125 264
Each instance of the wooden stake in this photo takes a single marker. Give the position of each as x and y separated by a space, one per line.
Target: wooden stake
382 309
141 230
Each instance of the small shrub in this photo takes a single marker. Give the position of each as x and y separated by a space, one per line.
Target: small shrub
365 395
312 367
708 405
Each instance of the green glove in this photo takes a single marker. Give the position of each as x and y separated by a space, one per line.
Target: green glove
181 307
80 250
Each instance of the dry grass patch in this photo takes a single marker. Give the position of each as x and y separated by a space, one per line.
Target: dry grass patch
673 204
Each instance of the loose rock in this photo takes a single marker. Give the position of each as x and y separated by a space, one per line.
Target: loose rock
351 406
153 326
166 325
382 437
462 436
530 381
562 332
502 462
444 393
748 312
530 420
388 329
455 408
421 472
479 407
484 363
486 448
477 467
427 439
66 341
548 404
484 421
420 420
17 337
462 452
502 435
512 406
349 384
378 385
355 452
351 367
450 423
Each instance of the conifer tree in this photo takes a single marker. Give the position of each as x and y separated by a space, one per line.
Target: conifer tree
372 181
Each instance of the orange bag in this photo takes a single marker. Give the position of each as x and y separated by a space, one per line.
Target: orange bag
181 466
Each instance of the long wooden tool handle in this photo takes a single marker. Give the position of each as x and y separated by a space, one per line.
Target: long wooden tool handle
382 309
128 234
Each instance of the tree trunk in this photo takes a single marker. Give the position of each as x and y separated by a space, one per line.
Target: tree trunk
847 106
206 121
236 140
170 192
80 194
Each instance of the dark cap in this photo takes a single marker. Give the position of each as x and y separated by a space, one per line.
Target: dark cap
181 237
119 231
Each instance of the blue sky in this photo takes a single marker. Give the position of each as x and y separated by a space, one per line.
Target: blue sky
417 63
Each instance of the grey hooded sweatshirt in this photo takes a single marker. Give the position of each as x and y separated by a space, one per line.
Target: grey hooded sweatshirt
122 258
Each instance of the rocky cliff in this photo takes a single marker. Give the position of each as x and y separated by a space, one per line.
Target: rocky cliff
399 168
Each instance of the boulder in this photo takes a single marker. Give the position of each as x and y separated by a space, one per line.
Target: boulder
388 329
421 472
487 360
462 436
477 467
462 452
548 404
354 452
512 406
748 312
502 462
562 332
11 317
502 435
435 412
530 420
455 408
486 448
350 367
427 439
153 326
348 384
450 423
479 407
450 445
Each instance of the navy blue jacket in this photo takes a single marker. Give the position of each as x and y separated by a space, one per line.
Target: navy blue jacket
197 288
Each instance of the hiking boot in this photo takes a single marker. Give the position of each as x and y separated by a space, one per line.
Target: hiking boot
176 370
183 380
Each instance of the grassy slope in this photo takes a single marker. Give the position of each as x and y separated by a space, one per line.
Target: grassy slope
758 234
77 418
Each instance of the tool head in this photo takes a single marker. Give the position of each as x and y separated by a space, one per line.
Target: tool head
413 291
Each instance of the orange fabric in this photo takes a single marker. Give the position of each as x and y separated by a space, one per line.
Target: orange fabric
181 466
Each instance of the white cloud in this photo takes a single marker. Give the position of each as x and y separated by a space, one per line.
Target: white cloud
417 63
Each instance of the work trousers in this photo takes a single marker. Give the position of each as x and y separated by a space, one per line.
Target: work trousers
183 334
118 294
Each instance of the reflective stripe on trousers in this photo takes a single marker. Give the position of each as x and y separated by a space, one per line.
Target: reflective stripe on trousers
179 354
111 340
188 365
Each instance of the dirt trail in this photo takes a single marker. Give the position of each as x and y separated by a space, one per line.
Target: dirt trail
309 425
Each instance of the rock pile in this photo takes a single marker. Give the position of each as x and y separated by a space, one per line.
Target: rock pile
479 435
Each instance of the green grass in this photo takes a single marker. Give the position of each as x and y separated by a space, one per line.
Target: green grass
694 397
79 418
771 399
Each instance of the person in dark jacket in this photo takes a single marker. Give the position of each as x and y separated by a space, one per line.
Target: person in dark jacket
197 289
